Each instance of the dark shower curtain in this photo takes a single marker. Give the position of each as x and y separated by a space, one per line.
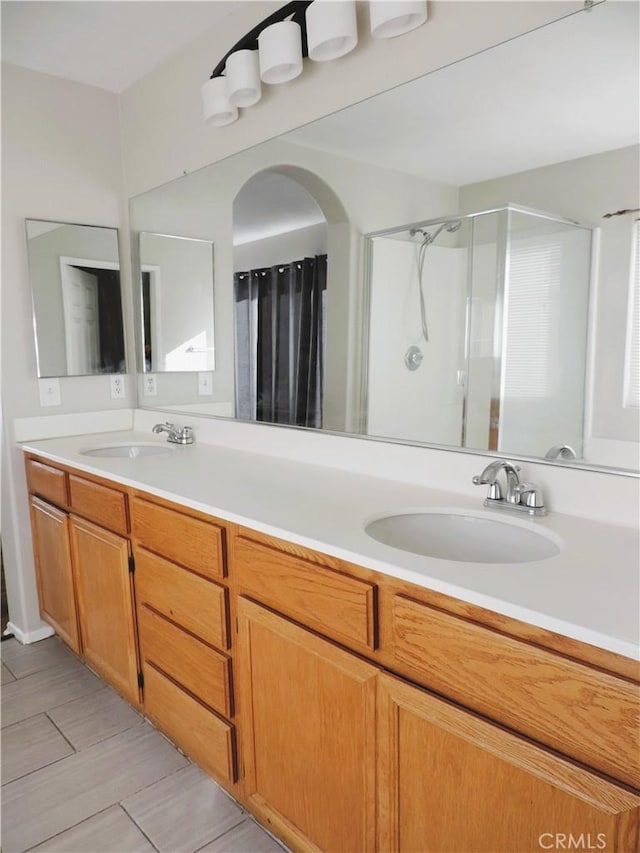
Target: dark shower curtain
279 316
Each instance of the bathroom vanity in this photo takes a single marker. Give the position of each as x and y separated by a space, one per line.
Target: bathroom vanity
348 702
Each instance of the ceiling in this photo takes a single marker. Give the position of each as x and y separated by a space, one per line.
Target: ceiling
107 43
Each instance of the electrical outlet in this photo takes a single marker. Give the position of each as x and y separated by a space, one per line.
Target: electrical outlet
205 384
149 387
118 388
49 392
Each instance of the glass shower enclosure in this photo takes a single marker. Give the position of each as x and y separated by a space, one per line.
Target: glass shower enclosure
477 332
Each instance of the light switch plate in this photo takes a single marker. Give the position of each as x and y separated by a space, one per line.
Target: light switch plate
118 387
205 384
149 387
49 392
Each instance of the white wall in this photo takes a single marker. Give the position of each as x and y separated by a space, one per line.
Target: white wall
60 161
584 190
281 248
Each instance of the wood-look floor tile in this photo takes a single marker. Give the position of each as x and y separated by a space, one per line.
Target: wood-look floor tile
111 831
94 717
52 800
24 660
30 745
42 691
246 838
183 812
7 675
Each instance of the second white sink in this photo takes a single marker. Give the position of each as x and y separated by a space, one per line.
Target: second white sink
462 538
131 451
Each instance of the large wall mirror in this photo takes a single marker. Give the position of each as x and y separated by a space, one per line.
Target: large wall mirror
77 303
437 264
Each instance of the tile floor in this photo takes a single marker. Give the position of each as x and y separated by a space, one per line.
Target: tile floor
82 772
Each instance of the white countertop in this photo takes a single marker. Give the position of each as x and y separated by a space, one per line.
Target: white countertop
590 591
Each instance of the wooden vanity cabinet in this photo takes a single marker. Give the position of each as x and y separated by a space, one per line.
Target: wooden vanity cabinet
347 710
485 743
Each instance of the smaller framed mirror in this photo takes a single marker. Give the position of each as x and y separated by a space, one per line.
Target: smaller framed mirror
74 272
176 303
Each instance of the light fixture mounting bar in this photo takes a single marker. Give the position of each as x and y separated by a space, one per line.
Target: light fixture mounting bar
294 11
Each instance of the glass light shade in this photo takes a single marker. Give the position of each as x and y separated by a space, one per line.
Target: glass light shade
390 18
332 30
243 78
280 52
217 109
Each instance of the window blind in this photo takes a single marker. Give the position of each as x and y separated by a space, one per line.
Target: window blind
534 279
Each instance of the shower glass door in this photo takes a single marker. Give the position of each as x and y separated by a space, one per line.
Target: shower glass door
477 332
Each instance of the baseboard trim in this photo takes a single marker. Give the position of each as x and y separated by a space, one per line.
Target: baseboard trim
27 637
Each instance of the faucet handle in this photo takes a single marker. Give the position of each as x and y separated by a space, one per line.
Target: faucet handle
530 495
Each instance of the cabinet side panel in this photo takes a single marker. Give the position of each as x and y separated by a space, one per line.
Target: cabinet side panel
105 602
54 572
483 772
309 734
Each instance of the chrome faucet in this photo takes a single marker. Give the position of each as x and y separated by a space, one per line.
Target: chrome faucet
561 451
176 434
522 497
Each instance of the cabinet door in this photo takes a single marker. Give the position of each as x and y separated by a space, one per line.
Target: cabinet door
105 605
308 734
53 569
451 781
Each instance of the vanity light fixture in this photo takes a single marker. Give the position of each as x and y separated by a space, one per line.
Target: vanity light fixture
274 50
332 30
390 18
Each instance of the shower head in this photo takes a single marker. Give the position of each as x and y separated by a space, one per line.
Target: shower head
451 226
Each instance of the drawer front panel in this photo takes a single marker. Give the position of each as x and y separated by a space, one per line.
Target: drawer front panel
197 604
196 666
105 506
47 481
328 601
204 737
589 715
188 541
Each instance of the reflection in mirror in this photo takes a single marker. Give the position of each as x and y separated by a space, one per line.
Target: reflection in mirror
490 311
548 121
280 284
77 305
177 303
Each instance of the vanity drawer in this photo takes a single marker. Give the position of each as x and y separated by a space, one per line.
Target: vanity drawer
102 504
193 543
334 604
195 603
204 737
196 666
587 714
47 481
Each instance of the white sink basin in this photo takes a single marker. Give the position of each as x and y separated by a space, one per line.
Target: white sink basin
130 451
462 538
